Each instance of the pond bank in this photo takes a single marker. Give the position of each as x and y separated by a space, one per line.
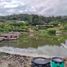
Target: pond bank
21 52
44 51
12 60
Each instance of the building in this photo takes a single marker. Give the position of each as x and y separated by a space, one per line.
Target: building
58 32
11 35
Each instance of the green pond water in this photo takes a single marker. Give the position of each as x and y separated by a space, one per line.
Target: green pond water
25 41
38 44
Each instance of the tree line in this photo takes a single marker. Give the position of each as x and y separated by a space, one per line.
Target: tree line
33 19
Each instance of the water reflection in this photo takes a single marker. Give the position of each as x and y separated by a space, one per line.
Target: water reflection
53 50
43 50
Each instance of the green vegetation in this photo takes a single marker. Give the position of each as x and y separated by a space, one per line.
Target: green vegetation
51 32
7 27
36 30
34 19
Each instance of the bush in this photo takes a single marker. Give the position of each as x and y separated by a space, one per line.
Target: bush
65 27
51 32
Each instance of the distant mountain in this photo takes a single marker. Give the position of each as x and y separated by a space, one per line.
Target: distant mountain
40 7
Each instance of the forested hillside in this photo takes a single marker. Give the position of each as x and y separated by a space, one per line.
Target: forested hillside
33 19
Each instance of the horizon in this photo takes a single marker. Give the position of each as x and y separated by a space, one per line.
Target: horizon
31 14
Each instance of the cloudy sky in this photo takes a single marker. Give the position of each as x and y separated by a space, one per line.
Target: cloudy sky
41 7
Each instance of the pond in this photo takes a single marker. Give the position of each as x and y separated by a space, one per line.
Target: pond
37 44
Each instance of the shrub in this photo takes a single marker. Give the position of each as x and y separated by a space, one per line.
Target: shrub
51 32
65 27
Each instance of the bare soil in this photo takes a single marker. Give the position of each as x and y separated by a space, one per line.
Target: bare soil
8 60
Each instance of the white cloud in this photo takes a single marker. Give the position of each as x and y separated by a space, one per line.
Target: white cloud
43 7
11 6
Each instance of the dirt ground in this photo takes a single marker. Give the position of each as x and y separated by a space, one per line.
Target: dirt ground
8 60
15 61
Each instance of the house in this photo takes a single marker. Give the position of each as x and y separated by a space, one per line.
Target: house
11 35
44 26
58 32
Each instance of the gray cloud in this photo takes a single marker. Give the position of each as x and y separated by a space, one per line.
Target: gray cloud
41 7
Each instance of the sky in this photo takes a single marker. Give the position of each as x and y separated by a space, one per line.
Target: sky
40 7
